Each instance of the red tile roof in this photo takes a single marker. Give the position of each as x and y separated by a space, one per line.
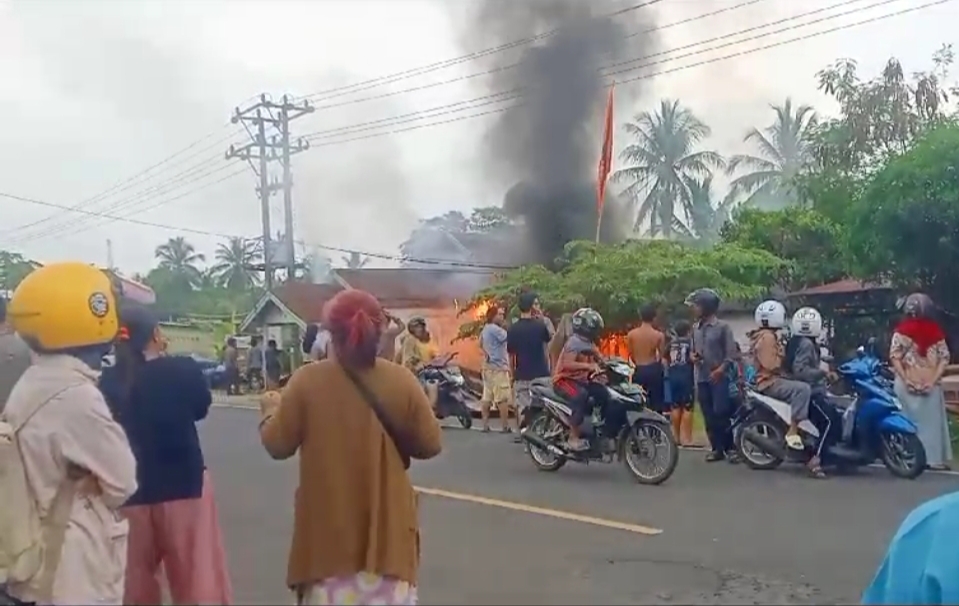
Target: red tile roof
306 300
415 287
847 286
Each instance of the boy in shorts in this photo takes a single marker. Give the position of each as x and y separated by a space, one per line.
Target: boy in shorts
681 383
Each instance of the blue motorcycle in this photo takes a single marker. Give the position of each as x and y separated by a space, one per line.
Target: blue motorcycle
845 432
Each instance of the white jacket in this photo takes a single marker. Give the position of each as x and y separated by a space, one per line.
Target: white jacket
76 428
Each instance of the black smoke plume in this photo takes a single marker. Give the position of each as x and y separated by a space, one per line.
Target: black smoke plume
548 143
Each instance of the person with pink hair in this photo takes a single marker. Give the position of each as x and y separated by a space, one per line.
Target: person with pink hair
357 420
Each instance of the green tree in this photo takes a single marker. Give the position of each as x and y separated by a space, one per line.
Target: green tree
233 261
486 219
355 260
881 117
784 149
904 226
617 280
180 259
14 267
660 161
805 238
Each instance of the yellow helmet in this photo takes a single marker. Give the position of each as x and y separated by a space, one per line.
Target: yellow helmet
64 306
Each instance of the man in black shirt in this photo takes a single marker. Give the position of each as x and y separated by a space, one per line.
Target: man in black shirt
526 342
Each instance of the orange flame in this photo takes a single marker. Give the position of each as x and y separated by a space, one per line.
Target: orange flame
614 345
479 312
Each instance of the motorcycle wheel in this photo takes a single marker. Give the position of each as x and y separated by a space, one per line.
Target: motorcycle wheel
639 438
465 419
752 456
541 424
903 454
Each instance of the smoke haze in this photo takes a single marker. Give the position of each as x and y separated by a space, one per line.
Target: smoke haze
548 142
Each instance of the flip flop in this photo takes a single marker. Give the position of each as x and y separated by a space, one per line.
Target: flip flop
794 441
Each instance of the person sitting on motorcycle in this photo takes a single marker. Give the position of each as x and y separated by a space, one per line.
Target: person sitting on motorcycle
803 359
418 350
576 365
769 357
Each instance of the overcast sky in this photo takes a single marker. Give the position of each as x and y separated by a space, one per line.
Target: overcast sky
94 92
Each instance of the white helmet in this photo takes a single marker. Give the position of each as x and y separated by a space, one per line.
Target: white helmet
807 322
771 314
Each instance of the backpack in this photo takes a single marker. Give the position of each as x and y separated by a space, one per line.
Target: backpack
30 546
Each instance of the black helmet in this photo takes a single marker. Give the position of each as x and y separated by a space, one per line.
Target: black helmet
706 299
587 323
917 305
416 321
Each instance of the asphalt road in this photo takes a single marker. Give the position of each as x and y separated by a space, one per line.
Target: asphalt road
496 531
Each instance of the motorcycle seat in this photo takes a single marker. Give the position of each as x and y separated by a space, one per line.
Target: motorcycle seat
544 388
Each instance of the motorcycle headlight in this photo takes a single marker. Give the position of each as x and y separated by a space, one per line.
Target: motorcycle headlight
457 379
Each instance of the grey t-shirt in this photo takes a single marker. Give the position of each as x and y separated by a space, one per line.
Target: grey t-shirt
14 361
493 343
715 344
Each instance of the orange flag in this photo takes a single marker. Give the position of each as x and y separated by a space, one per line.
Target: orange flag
605 161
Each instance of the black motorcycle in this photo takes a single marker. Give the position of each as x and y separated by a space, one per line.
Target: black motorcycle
645 443
451 385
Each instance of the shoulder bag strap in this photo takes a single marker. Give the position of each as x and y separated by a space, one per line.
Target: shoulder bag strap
377 407
54 524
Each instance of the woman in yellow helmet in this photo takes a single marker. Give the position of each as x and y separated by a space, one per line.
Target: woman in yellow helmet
76 457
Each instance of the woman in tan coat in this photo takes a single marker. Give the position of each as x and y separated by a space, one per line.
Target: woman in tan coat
356 420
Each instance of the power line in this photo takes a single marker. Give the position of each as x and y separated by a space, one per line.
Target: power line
128 183
517 92
136 201
110 218
661 72
668 71
502 68
353 128
424 69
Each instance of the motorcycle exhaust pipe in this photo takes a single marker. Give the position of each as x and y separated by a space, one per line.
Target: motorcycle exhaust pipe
542 444
768 446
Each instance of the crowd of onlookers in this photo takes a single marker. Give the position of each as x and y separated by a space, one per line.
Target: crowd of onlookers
104 482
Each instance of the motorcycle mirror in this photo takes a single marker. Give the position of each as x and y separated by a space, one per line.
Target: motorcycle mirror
861 351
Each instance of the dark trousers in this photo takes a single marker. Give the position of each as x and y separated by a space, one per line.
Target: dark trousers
652 378
717 410
581 398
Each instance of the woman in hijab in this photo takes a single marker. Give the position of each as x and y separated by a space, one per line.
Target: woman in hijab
919 356
356 420
158 399
921 565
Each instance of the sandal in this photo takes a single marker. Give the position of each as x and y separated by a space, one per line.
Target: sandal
794 441
816 471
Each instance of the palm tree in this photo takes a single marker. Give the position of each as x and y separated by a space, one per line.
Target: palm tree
233 261
180 259
706 215
660 161
355 261
784 148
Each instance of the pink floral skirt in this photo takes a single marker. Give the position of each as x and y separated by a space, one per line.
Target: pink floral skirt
361 588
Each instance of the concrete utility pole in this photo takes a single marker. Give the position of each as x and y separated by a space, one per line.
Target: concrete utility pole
265 150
